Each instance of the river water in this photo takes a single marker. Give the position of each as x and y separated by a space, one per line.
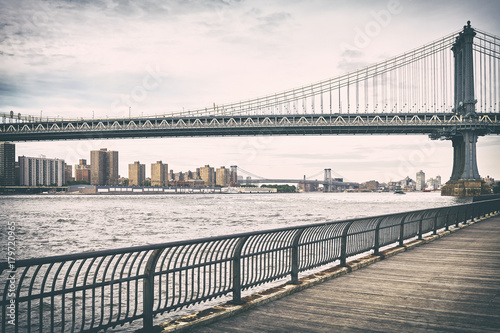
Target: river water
48 225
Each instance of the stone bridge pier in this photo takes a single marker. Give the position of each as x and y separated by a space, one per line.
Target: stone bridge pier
465 179
328 184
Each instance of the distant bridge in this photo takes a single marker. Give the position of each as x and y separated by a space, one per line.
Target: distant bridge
333 186
330 184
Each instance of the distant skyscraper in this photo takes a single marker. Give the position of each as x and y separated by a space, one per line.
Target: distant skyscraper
233 177
103 167
222 176
207 175
68 173
136 174
113 168
82 171
159 174
34 171
420 181
7 164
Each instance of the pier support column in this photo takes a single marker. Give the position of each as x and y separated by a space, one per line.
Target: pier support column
327 185
465 180
457 143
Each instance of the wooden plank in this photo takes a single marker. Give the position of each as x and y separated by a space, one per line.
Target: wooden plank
451 284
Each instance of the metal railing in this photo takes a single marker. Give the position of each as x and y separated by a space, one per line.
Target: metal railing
98 290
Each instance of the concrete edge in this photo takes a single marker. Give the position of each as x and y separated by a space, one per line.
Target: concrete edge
228 309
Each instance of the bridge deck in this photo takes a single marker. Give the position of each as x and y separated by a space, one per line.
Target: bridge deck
451 284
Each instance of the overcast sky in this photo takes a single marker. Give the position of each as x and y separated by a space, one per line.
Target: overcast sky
97 58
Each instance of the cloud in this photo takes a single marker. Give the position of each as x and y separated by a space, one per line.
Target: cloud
272 21
352 54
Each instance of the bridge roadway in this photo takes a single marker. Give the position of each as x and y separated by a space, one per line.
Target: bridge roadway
434 124
451 284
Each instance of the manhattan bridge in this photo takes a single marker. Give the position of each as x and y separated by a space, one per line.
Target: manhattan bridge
448 89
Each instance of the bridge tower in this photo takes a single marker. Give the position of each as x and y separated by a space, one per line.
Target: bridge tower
327 185
465 179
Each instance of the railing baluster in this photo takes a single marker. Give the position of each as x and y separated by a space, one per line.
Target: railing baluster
295 256
148 289
376 247
343 245
435 227
420 227
237 270
447 224
402 230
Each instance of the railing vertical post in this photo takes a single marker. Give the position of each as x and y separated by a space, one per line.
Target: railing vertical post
447 226
343 245
237 270
402 230
420 222
376 248
435 227
295 257
148 288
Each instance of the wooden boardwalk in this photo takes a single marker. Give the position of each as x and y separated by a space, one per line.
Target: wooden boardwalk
449 285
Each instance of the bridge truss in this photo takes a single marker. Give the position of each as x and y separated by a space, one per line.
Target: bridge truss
306 124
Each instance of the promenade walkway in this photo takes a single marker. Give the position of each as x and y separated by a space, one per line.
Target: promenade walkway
451 284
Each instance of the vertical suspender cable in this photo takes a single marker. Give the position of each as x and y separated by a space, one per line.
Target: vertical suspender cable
357 91
404 85
340 106
426 81
495 72
480 55
366 90
348 101
330 83
443 90
491 77
434 83
321 102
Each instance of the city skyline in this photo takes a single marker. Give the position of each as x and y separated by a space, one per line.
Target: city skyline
225 51
123 171
160 171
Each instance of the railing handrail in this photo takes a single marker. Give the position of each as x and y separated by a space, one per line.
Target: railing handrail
93 254
140 282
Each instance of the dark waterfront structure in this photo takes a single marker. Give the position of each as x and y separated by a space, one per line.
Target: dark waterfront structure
7 164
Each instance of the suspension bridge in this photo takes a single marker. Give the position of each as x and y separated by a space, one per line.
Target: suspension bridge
447 89
329 183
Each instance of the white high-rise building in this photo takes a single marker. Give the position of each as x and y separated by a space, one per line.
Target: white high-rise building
34 171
